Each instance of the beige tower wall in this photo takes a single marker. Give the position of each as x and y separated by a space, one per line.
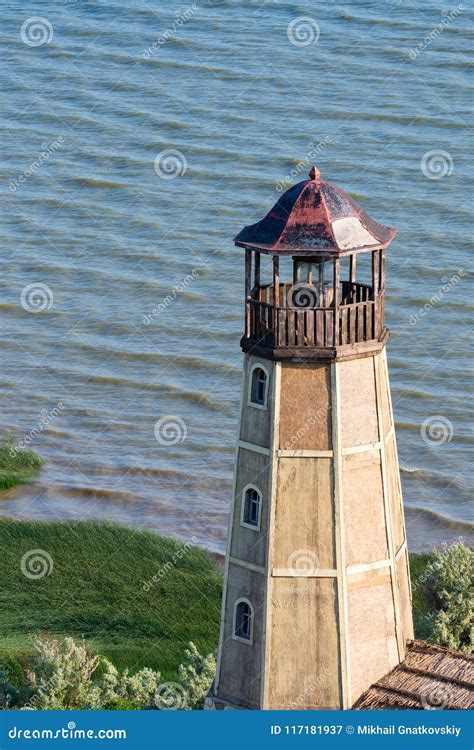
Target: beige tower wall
327 573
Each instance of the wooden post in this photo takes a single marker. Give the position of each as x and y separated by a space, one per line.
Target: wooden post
375 291
383 258
337 266
248 282
276 281
257 272
352 270
296 271
276 297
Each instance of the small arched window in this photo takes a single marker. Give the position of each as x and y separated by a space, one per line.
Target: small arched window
251 507
243 620
258 387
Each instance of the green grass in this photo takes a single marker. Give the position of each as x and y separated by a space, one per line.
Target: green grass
16 467
96 591
418 565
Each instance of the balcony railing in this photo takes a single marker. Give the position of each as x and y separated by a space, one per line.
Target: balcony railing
358 318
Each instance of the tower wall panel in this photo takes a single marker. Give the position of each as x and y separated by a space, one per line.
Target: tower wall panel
305 418
304 514
241 663
303 667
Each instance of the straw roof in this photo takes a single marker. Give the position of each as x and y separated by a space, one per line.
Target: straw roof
430 677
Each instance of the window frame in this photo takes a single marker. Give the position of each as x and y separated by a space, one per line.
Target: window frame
235 637
254 404
243 522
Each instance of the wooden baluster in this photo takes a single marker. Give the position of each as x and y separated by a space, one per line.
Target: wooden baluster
276 294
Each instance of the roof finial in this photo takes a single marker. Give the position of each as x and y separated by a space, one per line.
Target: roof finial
314 173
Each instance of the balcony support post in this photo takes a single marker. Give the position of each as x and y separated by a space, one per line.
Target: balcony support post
248 282
337 268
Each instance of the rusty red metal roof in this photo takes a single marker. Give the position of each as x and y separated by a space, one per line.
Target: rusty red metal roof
314 217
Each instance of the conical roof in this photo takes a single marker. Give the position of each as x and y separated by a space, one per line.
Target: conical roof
315 217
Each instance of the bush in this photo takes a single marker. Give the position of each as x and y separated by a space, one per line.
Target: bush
64 675
448 588
196 675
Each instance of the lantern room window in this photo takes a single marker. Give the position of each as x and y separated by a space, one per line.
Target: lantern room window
258 387
251 508
243 621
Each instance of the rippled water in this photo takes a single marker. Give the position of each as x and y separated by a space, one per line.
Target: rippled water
118 83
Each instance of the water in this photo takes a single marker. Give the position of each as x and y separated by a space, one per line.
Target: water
111 239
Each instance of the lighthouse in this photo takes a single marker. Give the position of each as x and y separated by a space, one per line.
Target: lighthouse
317 603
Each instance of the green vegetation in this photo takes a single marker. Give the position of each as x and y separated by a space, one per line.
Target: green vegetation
135 597
16 466
443 603
64 675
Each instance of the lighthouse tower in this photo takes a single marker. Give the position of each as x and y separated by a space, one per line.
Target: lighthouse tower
317 603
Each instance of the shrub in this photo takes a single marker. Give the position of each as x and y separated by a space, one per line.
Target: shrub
64 675
196 675
449 586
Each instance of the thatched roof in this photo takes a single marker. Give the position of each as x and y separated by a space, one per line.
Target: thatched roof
429 678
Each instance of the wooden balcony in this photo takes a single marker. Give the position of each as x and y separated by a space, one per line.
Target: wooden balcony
354 325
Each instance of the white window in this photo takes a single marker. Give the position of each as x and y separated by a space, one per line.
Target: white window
258 387
251 507
243 621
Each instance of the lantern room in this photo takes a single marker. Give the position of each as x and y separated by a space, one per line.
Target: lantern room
325 295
